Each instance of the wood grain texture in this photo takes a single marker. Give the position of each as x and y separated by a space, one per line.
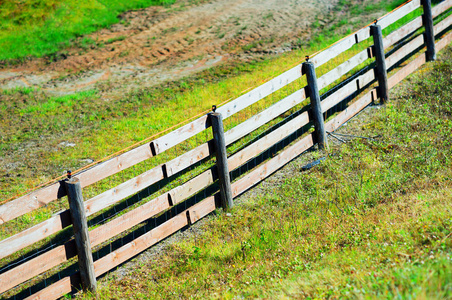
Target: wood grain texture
395 57
271 166
93 205
442 25
406 70
316 110
128 220
267 141
221 162
54 291
201 209
399 13
441 7
124 190
380 63
191 187
188 159
34 234
140 244
36 266
175 137
351 111
446 40
347 90
260 92
341 46
44 196
81 235
34 200
397 35
335 74
181 134
429 35
265 116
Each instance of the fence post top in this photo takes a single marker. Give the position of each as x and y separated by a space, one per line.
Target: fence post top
72 180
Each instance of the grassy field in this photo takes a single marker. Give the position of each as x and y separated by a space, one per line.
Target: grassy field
372 221
401 176
38 28
100 126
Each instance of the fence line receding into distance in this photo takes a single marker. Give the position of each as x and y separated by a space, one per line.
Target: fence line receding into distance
176 180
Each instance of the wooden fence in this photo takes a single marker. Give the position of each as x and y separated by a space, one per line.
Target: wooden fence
334 97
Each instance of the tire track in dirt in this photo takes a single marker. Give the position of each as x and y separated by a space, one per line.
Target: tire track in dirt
171 41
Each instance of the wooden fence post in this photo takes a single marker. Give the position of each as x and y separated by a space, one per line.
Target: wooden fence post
380 70
82 241
313 93
222 160
429 35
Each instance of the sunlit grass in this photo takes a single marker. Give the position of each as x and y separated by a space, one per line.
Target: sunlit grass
372 221
37 28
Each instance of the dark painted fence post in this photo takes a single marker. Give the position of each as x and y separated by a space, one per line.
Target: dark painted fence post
313 93
380 70
429 35
82 241
222 160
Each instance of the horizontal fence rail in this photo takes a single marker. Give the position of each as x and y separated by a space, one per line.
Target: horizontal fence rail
175 194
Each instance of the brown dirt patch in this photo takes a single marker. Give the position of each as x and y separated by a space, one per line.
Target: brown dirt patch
156 44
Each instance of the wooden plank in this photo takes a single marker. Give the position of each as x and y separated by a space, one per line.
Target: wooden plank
36 266
201 209
347 90
442 25
407 70
188 159
351 111
140 244
181 134
271 166
93 205
203 151
444 42
402 32
128 220
191 187
267 141
34 200
399 13
133 248
404 51
340 47
44 196
175 137
124 190
343 69
441 7
265 116
34 234
260 92
54 291
115 165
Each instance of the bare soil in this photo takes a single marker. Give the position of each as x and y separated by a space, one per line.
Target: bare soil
156 44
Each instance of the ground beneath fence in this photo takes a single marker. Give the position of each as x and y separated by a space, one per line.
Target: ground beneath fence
153 45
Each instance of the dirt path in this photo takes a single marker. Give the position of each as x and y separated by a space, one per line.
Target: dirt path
156 44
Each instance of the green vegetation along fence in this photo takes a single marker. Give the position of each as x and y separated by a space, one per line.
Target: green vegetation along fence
252 137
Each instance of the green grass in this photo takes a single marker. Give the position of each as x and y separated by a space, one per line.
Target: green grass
100 126
372 221
38 28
